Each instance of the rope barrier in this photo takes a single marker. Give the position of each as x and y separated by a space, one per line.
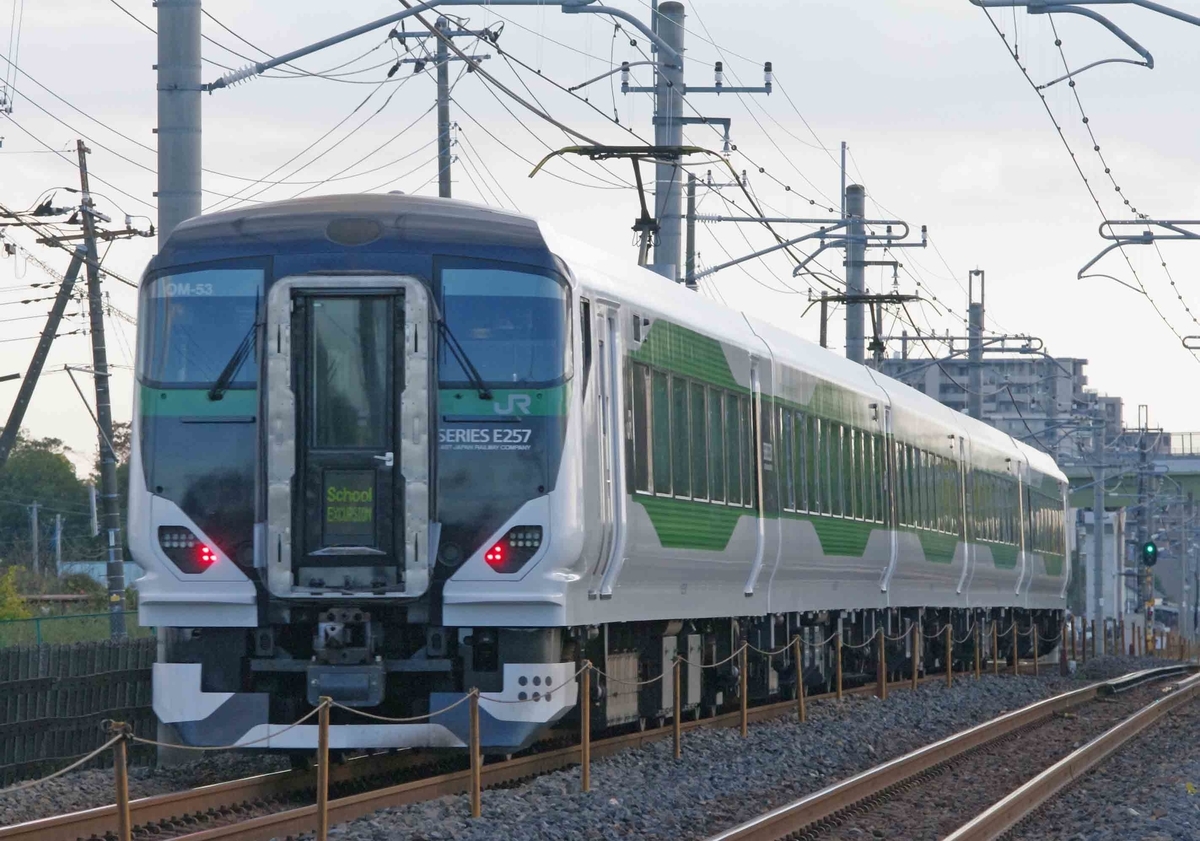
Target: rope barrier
870 641
646 682
903 635
938 634
970 630
822 643
144 741
714 665
769 653
61 771
408 719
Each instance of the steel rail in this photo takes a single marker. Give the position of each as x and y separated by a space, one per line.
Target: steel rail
825 805
1005 814
101 822
178 806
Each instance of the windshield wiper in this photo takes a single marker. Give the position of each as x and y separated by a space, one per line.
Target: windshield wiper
464 361
225 378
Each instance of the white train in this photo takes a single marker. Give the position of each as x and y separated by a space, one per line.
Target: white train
391 448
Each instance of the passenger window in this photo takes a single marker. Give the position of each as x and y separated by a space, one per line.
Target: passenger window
641 427
716 447
733 437
585 338
681 437
699 442
661 445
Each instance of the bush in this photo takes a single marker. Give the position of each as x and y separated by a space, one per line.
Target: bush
12 606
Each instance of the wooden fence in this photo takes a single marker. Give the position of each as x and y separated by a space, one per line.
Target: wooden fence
55 698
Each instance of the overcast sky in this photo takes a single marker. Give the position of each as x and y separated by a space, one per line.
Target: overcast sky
943 131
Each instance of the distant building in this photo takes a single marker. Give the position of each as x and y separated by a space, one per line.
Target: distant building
1035 399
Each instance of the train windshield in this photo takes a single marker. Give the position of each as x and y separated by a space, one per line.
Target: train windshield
511 323
193 323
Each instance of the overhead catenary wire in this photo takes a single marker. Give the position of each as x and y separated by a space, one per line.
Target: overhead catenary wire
1087 184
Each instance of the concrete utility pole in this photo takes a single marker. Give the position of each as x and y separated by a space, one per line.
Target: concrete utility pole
443 110
975 348
108 459
8 437
689 262
58 544
179 88
1098 520
668 131
856 251
35 535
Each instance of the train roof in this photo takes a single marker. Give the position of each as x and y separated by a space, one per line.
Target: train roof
376 222
641 286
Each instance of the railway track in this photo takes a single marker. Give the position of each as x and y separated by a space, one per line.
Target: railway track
930 792
270 805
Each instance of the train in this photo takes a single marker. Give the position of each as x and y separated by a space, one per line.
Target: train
390 449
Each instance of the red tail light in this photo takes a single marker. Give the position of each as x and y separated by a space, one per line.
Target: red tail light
496 555
185 549
513 550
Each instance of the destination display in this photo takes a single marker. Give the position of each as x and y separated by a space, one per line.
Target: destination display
349 505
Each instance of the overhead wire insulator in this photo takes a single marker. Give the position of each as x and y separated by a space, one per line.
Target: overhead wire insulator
719 74
768 76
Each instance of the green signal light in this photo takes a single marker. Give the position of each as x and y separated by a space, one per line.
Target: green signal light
1149 553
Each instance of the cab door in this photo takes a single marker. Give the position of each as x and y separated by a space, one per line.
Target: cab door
346 404
349 369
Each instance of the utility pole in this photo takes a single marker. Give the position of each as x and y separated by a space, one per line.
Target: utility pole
824 319
1098 520
58 544
108 459
443 110
689 262
856 196
179 88
8 437
1146 573
668 131
34 535
975 348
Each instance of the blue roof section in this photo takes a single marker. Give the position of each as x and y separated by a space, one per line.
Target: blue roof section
354 232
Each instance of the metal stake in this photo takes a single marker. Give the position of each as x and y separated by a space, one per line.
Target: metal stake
585 727
881 683
1093 639
837 645
121 778
745 691
995 649
476 756
678 731
949 667
915 631
978 653
800 711
1035 650
1015 648
323 770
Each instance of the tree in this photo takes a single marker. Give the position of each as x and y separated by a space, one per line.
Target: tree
39 470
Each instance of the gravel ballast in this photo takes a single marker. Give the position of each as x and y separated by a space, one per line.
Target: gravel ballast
722 779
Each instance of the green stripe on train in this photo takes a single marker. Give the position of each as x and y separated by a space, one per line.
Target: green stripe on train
686 524
686 352
505 402
194 403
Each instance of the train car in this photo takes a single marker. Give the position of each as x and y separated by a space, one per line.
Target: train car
388 449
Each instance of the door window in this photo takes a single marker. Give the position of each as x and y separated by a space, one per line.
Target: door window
350 372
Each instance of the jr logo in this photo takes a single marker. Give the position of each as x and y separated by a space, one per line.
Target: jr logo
516 403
